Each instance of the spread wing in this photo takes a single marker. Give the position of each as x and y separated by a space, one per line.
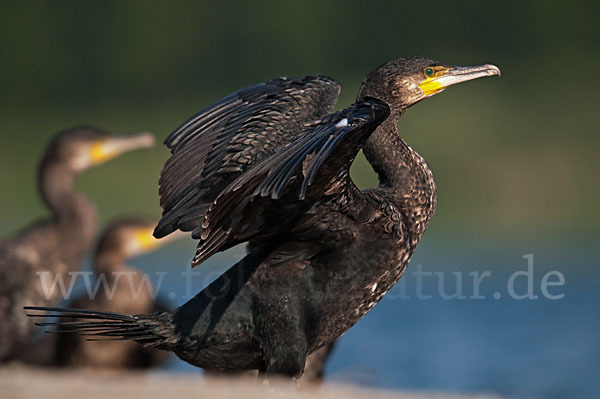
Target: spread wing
269 198
228 138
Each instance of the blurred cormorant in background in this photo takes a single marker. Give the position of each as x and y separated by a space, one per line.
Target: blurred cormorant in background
129 291
31 259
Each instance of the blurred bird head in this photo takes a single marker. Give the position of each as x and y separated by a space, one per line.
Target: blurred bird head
129 237
82 147
406 81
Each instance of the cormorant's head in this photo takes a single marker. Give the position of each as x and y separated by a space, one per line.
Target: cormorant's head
82 147
406 81
127 238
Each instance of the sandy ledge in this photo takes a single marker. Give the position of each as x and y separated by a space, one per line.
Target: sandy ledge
20 382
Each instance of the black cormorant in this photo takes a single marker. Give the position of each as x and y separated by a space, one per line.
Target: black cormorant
269 165
31 259
124 289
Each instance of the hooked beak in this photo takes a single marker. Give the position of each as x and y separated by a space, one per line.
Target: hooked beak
456 74
115 146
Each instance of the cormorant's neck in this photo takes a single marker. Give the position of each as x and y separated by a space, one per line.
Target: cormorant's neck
109 262
72 212
403 173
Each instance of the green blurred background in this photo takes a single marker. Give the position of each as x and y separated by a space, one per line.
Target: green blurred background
513 157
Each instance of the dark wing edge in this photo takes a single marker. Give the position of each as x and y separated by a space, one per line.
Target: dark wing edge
224 140
301 172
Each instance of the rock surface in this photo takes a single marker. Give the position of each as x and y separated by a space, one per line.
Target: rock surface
20 382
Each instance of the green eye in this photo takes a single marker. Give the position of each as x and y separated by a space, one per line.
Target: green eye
429 72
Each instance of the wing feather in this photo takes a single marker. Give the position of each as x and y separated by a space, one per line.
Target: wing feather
221 142
269 198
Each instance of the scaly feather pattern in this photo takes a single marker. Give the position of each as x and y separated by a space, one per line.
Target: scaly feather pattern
228 138
277 188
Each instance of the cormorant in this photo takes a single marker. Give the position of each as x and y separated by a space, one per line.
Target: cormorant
31 259
269 165
129 291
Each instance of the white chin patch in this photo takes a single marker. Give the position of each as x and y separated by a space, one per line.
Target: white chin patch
80 163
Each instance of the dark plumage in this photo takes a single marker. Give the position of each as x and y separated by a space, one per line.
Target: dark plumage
228 138
129 293
270 167
57 244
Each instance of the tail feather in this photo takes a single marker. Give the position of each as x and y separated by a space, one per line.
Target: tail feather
104 325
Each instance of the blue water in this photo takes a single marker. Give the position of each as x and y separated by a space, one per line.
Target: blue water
520 348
